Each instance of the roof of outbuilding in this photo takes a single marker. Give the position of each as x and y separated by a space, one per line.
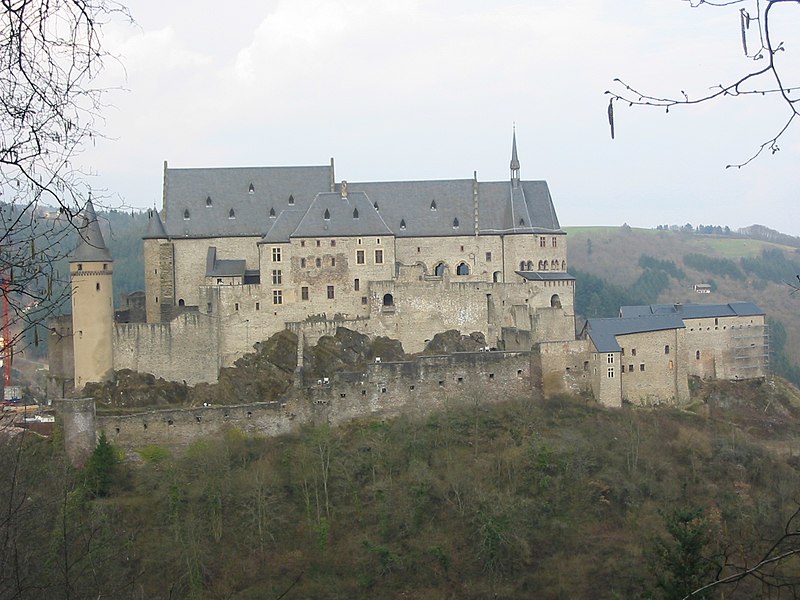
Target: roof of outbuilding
545 276
92 246
223 267
694 311
603 332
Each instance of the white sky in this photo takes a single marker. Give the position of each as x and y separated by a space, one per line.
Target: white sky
406 89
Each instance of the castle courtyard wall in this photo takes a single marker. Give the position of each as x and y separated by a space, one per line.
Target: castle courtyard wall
562 367
653 367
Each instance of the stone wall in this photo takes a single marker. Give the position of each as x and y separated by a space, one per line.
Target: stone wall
562 367
653 367
185 349
78 423
60 357
386 389
726 347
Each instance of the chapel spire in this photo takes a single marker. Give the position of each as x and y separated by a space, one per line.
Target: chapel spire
514 159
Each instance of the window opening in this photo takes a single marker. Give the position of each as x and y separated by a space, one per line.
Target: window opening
252 189
355 213
331 293
231 214
360 257
438 270
186 215
277 296
462 269
304 293
433 204
388 300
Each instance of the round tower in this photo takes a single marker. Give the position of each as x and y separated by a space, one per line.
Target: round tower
90 268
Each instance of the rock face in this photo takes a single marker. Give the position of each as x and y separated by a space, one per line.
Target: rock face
452 341
347 351
129 389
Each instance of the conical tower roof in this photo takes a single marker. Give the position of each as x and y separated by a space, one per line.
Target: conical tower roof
92 247
155 227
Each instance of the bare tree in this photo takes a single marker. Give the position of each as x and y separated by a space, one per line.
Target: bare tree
769 75
50 57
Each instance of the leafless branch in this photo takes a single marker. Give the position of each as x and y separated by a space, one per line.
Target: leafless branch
765 81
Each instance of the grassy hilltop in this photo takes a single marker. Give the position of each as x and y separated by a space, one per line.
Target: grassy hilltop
624 265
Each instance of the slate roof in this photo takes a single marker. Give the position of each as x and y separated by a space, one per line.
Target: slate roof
603 332
210 194
222 267
332 215
694 311
92 246
545 276
155 227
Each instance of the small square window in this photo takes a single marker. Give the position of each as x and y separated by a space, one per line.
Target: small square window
363 299
333 243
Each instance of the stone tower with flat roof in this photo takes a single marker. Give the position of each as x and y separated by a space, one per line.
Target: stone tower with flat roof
91 267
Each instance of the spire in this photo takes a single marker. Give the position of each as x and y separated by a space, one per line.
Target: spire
92 247
514 158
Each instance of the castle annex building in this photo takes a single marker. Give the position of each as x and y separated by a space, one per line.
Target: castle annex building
238 254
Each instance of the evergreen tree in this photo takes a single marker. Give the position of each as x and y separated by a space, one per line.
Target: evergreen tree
100 469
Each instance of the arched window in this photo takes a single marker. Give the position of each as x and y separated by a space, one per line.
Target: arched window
496 276
522 265
544 265
554 265
529 265
186 215
181 302
563 265
541 267
697 355
438 270
555 301
462 269
388 300
231 214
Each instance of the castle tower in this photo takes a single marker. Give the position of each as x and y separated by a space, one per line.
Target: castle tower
159 281
514 161
90 268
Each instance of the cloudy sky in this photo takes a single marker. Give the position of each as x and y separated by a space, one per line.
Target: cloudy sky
407 89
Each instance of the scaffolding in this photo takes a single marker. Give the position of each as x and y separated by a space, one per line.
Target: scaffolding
750 351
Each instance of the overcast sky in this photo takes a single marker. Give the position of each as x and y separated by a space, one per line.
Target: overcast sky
402 90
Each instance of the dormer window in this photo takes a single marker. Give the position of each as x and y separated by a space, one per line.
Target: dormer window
272 213
251 190
455 223
355 213
291 200
433 204
402 223
522 222
208 201
327 215
231 214
186 215
376 206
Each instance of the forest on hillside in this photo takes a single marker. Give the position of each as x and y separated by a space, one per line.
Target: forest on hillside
523 499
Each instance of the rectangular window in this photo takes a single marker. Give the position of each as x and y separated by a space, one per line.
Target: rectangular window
555 242
318 243
543 242
331 294
258 305
610 359
641 367
630 368
304 293
236 306
333 243
356 284
276 255
277 297
666 349
276 277
363 299
359 257
610 372
302 263
633 351
333 262
378 257
623 352
622 368
378 241
302 243
488 257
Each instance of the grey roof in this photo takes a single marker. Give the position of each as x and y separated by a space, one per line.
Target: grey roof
282 226
694 311
155 227
447 207
545 276
223 268
92 247
210 194
330 214
603 332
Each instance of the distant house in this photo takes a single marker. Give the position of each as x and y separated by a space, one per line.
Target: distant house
702 288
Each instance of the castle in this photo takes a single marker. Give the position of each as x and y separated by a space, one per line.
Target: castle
242 253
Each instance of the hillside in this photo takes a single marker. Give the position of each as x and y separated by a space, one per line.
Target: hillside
525 499
648 265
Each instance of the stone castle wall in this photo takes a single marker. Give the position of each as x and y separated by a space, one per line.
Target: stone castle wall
386 389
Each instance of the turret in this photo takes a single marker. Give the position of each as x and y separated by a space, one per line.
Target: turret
91 268
514 160
158 269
